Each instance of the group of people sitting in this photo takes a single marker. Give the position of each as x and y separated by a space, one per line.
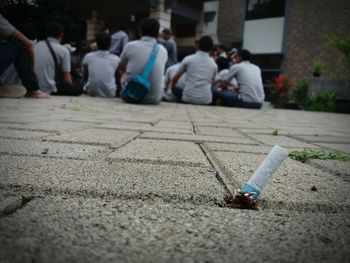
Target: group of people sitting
44 69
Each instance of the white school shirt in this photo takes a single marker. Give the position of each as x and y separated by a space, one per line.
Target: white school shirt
135 56
102 66
200 71
249 81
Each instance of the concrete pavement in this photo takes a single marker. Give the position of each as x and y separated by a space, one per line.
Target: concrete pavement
96 180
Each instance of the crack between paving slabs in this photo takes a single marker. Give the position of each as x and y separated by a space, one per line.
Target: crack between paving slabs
220 175
11 210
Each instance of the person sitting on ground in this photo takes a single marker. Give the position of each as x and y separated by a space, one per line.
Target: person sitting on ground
99 69
19 51
250 92
135 56
200 74
10 75
53 64
169 75
170 45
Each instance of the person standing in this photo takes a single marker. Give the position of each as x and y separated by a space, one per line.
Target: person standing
18 50
170 45
119 39
99 69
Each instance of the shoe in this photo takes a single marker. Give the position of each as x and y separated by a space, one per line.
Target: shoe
12 91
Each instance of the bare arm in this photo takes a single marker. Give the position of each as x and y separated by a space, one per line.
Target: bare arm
176 78
67 78
25 42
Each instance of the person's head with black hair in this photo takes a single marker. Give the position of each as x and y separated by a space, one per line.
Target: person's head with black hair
205 43
222 63
55 30
243 55
103 41
149 27
222 48
166 32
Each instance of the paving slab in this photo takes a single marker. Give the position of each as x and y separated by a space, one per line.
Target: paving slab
125 180
225 124
281 140
52 149
49 126
293 131
340 168
109 137
327 139
197 138
20 134
160 151
92 230
227 132
145 128
291 186
220 147
174 124
243 148
343 147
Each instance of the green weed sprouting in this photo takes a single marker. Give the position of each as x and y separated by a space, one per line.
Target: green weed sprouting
318 154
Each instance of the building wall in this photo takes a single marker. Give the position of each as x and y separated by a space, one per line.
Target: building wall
230 21
308 24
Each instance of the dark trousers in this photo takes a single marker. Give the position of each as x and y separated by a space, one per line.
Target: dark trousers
233 99
14 52
70 90
177 92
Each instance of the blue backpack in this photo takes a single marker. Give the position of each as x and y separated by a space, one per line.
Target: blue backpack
137 87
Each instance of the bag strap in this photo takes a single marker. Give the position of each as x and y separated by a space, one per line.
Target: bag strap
150 62
53 54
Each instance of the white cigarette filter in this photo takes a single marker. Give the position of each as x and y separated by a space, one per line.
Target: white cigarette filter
257 182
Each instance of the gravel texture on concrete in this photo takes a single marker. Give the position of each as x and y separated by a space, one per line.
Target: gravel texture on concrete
97 180
124 180
161 151
93 230
96 136
52 149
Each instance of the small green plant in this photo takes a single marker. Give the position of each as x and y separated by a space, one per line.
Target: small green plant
318 67
300 91
275 132
321 102
306 154
76 105
343 45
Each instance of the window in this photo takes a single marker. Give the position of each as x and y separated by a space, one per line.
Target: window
258 9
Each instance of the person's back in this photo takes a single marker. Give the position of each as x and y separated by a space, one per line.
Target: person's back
44 61
249 81
101 66
200 72
136 54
